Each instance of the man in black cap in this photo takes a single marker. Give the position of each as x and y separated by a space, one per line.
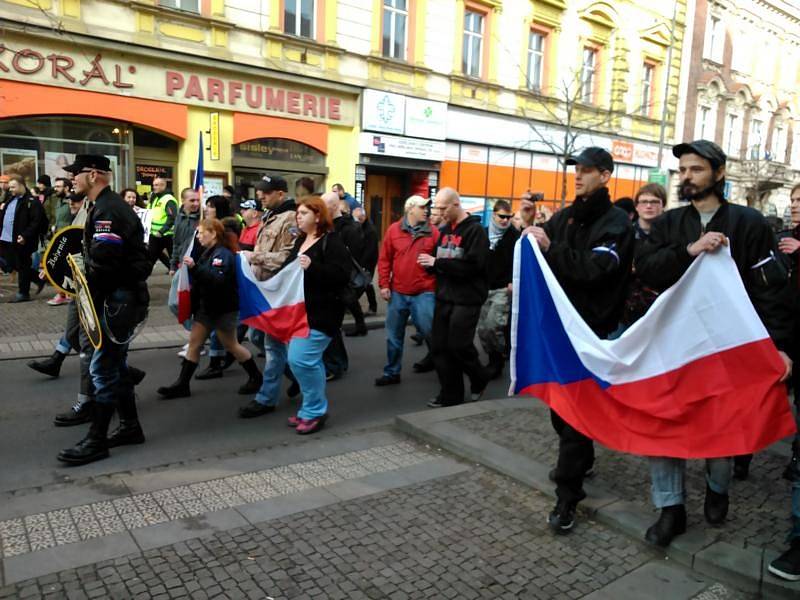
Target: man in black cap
589 247
117 267
676 239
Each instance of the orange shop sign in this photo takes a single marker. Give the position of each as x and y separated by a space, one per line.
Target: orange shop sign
622 151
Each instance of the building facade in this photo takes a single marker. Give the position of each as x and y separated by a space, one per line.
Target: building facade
388 97
743 92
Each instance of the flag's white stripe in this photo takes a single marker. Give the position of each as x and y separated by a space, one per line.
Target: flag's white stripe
283 289
705 312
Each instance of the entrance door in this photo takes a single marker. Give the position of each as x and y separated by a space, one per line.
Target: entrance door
385 200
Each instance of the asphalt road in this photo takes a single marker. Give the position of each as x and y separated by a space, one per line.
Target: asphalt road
204 425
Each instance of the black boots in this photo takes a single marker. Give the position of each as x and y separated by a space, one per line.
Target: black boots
425 365
715 507
179 389
81 412
495 366
49 366
741 466
95 445
671 523
129 431
213 371
254 377
135 375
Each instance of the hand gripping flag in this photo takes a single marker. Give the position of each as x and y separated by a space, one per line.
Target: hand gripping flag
696 377
277 305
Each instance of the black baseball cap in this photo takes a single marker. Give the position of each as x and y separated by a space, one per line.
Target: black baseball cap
88 161
708 150
272 183
593 156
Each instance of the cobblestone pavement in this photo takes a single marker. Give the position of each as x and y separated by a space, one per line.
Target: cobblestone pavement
471 535
759 510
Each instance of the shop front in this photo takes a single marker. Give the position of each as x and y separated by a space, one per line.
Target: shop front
400 153
146 113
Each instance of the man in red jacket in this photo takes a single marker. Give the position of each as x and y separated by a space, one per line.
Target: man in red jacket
404 284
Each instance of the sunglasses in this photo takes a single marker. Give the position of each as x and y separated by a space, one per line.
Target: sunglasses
504 217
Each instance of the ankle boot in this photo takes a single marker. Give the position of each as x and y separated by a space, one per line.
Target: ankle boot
49 366
715 507
671 523
135 375
213 371
81 412
255 379
95 445
129 431
228 360
180 389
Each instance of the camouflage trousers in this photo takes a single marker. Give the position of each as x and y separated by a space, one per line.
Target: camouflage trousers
493 322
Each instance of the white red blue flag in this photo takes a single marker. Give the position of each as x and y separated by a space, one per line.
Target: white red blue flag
185 288
277 305
696 377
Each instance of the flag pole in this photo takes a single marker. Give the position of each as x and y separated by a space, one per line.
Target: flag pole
199 174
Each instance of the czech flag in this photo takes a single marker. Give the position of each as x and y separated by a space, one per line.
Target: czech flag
696 377
276 306
185 288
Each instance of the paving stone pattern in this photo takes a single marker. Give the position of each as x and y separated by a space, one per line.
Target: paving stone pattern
58 527
759 510
471 535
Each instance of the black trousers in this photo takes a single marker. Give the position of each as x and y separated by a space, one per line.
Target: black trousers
335 356
18 258
156 246
575 457
454 352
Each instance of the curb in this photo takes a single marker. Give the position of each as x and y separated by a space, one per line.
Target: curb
744 568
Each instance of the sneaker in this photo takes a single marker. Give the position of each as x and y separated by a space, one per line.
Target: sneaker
306 426
475 395
58 300
787 565
254 409
435 402
387 380
293 421
562 518
182 352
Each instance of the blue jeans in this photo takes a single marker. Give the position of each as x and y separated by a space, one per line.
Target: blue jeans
216 347
109 364
274 365
667 478
257 337
420 308
305 360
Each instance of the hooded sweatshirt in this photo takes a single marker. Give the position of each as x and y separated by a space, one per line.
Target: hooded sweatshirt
462 254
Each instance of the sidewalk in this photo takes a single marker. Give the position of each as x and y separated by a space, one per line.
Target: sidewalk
514 436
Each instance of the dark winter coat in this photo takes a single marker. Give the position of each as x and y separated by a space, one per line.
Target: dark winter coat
462 256
214 288
29 221
501 259
369 256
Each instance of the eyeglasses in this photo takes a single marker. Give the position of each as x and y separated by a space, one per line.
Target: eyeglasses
504 217
649 202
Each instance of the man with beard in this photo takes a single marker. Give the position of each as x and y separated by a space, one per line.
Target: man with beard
589 247
676 239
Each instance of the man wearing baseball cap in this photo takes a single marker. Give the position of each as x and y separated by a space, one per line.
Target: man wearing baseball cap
589 247
679 236
252 221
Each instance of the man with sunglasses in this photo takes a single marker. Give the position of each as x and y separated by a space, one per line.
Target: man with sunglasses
117 265
493 325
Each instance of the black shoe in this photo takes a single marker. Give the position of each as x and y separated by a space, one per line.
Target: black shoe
332 377
95 445
387 380
787 565
562 518
254 378
476 393
587 475
39 283
435 402
136 375
49 366
357 332
229 359
671 523
127 433
254 409
179 389
213 371
715 507
293 390
425 365
19 298
418 339
741 467
79 414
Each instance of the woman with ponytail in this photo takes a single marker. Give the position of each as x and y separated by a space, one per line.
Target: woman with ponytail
215 307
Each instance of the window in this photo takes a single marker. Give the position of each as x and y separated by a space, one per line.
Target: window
733 135
395 17
536 60
755 138
588 70
187 5
715 39
473 43
298 18
703 119
648 70
779 143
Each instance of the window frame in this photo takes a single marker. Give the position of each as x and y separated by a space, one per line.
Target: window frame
394 12
733 127
481 36
594 51
751 137
541 53
199 4
716 38
648 88
298 4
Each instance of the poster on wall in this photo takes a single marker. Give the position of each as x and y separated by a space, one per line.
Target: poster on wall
145 175
54 163
212 186
20 162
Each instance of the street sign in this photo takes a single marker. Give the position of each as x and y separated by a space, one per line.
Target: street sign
659 176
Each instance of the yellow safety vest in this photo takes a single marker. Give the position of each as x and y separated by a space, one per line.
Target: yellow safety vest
158 210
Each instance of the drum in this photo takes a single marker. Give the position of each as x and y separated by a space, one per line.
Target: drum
65 241
84 303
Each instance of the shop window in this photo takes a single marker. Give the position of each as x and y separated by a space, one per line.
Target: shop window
187 5
395 29
472 51
298 18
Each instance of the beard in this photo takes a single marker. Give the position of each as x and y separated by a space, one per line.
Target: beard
689 192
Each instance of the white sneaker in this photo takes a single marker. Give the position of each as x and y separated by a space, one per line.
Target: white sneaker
182 353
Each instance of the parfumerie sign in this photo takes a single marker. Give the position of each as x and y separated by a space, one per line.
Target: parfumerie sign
116 73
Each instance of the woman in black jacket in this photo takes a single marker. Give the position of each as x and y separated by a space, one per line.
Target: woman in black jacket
215 307
325 260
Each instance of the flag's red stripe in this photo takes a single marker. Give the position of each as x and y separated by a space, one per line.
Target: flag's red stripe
184 305
282 323
740 407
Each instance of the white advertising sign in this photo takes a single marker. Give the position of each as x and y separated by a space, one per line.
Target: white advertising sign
391 145
382 111
426 119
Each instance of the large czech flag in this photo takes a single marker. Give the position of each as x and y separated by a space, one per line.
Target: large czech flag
185 288
277 305
696 377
